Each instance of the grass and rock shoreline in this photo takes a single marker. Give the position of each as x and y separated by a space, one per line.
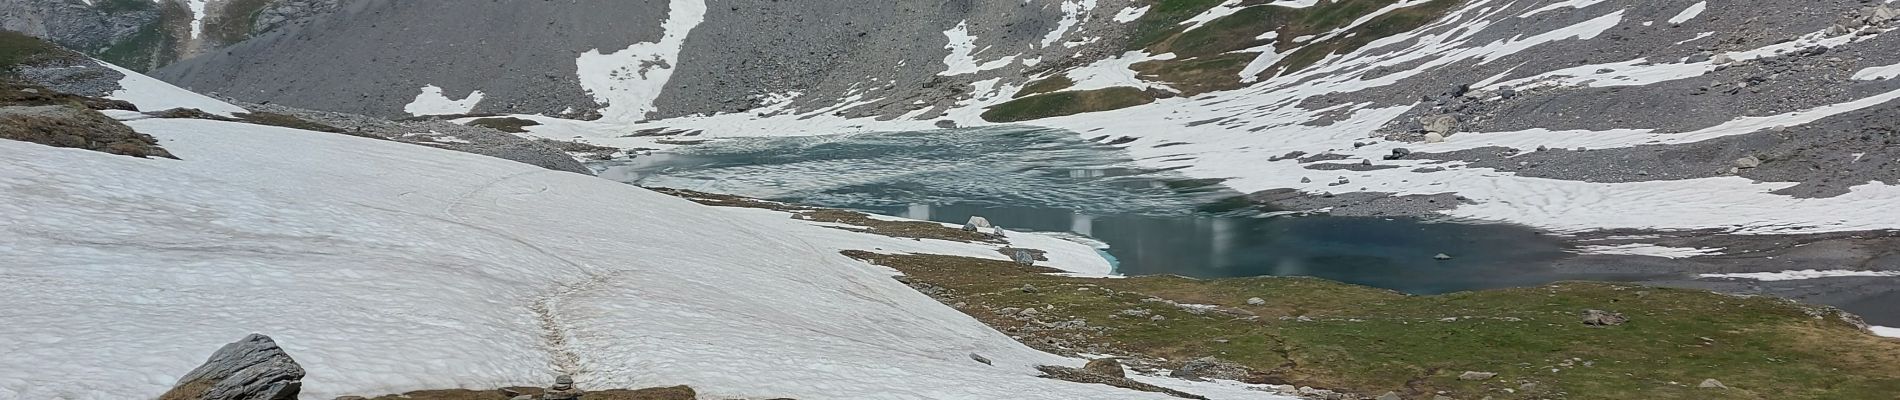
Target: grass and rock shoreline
1325 339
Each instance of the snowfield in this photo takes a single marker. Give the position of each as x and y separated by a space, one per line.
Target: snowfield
386 267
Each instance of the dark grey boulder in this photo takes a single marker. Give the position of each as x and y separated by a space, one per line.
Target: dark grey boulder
250 369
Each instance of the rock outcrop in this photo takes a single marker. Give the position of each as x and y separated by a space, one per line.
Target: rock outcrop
75 127
250 369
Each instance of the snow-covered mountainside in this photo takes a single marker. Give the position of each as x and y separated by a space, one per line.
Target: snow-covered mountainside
386 267
1653 115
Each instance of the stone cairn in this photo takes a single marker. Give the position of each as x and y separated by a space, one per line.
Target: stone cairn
563 389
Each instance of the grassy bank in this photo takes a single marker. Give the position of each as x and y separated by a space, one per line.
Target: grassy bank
1324 334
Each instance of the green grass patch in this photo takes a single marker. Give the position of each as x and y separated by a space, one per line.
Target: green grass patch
1200 75
1067 103
504 124
1312 332
18 49
1046 85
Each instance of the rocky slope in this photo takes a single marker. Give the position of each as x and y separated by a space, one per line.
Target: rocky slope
147 34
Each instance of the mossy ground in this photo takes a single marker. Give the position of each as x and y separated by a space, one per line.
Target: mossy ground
1066 103
18 49
1046 85
1318 333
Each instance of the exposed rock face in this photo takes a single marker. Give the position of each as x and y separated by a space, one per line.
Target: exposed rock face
284 13
250 369
75 24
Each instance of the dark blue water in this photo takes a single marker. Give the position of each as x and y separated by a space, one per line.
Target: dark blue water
1153 222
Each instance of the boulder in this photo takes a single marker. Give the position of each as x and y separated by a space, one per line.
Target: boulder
1883 13
1390 396
1747 162
1603 318
250 369
1440 124
1719 59
1712 384
1442 257
946 124
978 224
1434 137
1105 367
1205 368
1255 301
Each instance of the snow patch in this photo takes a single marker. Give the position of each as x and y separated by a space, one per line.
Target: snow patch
1802 274
1073 12
432 102
1878 73
1225 8
1131 14
962 58
1690 13
628 81
151 94
1644 249
1573 4
1885 331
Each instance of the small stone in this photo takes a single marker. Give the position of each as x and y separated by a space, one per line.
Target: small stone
1029 313
1255 301
1712 384
1306 180
1028 288
1441 257
980 358
1157 318
1476 376
1747 162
